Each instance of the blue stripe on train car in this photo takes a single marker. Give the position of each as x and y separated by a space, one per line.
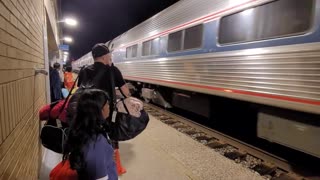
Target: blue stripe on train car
210 41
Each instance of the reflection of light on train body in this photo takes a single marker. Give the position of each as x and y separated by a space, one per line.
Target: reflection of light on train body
251 52
162 60
247 12
153 32
237 2
228 90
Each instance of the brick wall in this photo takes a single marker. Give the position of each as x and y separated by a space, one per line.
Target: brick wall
21 92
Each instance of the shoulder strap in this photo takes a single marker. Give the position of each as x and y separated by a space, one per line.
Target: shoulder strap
113 81
113 90
70 92
51 120
113 87
125 106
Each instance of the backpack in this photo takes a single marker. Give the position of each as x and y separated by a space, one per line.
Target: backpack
85 84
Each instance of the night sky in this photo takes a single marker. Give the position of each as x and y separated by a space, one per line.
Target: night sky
103 20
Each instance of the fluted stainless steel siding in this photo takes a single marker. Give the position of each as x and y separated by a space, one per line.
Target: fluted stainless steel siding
291 71
182 12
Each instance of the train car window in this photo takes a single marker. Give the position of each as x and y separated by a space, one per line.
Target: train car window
193 37
146 48
175 41
134 52
272 20
151 47
128 52
155 46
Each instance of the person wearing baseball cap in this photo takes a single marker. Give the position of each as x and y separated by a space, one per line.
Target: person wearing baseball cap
98 75
100 52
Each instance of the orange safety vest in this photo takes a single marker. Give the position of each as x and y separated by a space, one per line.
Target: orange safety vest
68 80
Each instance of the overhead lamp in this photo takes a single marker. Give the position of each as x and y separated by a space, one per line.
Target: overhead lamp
67 39
70 21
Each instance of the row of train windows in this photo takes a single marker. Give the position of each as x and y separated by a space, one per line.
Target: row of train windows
275 19
190 38
151 47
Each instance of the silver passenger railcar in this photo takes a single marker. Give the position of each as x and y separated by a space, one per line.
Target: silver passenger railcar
262 52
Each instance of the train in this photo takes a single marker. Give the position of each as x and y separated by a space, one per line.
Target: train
206 56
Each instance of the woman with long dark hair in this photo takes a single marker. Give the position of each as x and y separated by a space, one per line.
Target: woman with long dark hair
88 147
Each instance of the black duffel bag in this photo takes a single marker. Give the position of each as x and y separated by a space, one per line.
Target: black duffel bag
53 136
126 126
53 133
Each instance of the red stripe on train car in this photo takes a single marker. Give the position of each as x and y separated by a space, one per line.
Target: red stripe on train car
285 98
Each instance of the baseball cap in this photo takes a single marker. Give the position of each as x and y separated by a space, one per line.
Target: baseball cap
99 50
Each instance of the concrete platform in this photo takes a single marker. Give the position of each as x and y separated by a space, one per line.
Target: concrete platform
163 153
49 161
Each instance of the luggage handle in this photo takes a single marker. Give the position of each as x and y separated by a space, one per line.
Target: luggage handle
125 106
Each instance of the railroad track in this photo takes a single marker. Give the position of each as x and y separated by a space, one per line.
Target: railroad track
258 160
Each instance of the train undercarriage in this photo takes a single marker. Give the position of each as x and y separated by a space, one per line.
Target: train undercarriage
271 126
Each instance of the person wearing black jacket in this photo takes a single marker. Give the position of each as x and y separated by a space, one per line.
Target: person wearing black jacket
98 75
55 83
